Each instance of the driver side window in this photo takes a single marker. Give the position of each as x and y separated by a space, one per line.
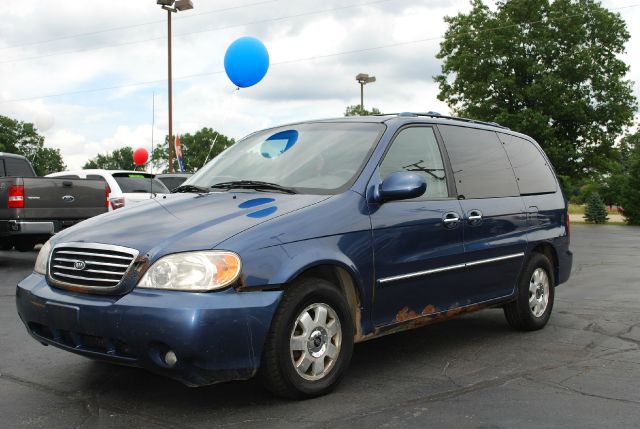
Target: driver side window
416 149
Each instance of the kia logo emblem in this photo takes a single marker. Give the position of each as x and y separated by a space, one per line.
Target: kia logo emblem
68 198
79 265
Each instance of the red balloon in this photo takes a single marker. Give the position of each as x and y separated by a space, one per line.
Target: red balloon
140 156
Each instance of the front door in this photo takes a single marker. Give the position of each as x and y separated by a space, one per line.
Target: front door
418 243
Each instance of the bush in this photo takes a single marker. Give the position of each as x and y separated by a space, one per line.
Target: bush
596 211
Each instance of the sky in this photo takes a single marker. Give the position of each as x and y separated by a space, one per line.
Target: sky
85 72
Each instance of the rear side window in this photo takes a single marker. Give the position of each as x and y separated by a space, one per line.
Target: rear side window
533 173
416 149
18 167
139 183
480 165
1 167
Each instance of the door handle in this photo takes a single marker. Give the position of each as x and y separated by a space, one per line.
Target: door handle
451 219
474 217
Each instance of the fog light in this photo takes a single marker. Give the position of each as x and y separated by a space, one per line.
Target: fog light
170 358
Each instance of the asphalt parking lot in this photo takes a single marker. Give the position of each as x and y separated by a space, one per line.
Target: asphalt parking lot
582 370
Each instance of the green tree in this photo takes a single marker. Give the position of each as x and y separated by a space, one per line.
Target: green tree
596 211
356 110
22 138
119 159
631 191
195 149
549 69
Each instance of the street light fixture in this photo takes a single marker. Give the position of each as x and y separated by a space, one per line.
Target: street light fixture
172 6
363 79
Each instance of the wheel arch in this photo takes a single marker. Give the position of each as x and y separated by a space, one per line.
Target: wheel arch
341 277
549 251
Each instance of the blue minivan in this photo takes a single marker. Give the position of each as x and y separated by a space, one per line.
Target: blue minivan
301 240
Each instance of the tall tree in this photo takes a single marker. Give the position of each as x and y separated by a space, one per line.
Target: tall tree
549 69
356 110
119 159
631 189
195 149
23 139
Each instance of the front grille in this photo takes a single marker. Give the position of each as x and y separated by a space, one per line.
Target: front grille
90 266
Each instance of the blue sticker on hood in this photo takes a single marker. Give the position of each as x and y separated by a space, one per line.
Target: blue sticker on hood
263 212
278 143
255 202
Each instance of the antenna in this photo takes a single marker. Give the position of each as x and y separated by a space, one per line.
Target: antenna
210 149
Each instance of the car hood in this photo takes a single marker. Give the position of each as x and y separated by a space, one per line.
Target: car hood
182 222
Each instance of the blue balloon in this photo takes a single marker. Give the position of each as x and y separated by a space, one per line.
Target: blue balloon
246 61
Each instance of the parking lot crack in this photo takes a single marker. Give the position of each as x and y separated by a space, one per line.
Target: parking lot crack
580 392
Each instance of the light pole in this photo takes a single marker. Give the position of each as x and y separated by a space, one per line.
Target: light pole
172 6
364 79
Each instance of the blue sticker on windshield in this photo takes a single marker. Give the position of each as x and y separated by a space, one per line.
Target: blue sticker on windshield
255 202
278 143
263 212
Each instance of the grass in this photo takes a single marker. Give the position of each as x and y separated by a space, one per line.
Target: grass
582 222
576 209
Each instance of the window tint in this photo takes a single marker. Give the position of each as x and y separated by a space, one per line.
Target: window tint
139 183
172 182
480 164
1 167
95 177
416 149
68 176
532 170
18 167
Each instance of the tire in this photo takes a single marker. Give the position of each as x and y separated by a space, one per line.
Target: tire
278 371
529 311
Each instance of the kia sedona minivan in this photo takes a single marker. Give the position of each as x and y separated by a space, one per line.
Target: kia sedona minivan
301 240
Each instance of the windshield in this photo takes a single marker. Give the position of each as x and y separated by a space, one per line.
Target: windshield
311 157
139 183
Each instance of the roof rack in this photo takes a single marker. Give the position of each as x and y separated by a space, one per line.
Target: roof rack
438 115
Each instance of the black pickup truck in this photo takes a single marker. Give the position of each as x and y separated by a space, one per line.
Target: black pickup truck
34 208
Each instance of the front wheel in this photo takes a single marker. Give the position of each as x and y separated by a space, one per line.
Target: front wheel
310 342
536 291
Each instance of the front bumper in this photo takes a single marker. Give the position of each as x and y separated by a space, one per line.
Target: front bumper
215 336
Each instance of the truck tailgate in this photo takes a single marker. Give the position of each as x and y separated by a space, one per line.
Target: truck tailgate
52 198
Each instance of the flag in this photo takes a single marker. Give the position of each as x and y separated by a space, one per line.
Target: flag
179 154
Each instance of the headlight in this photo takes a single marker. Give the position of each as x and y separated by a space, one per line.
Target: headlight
193 271
43 257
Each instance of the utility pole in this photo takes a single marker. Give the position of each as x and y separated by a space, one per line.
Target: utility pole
363 79
168 5
170 94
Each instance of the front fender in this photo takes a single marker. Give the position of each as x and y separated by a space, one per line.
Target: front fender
278 265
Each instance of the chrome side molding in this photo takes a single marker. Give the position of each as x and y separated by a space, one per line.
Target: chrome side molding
448 268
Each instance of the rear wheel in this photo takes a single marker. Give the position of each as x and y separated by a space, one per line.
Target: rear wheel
310 341
536 291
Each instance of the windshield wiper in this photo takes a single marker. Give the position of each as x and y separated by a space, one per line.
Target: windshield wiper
189 188
253 184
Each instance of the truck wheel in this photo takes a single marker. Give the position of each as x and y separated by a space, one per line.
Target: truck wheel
310 342
536 290
24 245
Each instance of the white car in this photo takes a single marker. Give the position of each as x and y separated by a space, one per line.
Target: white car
123 187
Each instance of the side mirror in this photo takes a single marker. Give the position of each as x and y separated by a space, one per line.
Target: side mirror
402 185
